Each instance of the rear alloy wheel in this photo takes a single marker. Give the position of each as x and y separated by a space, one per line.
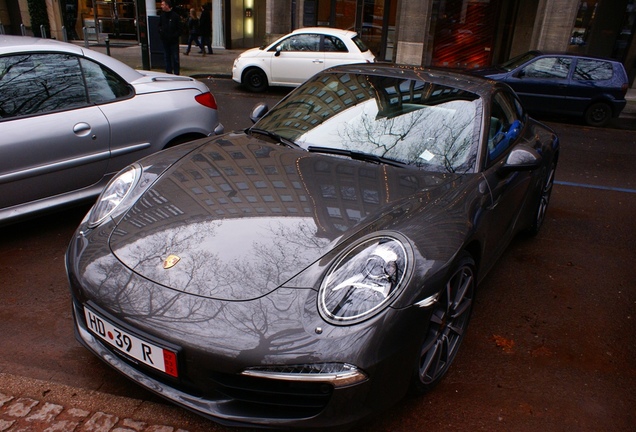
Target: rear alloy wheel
544 200
447 326
598 114
255 80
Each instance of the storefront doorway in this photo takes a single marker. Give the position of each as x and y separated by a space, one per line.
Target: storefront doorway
374 20
464 33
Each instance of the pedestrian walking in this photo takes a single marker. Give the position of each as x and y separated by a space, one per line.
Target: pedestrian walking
169 33
205 27
193 32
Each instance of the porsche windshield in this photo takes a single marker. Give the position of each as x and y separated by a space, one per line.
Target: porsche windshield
419 123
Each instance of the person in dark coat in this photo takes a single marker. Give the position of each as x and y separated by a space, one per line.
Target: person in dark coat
193 32
169 32
205 27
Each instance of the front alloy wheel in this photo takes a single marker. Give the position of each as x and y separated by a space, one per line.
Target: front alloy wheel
447 326
544 200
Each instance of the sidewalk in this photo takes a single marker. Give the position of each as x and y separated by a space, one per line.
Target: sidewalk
218 65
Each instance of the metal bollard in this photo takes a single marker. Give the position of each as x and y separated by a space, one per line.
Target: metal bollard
42 31
64 34
23 29
107 46
85 37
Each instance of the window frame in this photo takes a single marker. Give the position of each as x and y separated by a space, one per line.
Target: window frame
512 109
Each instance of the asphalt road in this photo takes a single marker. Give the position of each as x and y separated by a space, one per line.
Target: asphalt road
552 341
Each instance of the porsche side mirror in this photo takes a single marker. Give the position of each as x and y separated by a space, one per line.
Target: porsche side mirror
259 110
278 50
521 158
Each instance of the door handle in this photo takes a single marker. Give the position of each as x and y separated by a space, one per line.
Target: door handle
82 129
318 61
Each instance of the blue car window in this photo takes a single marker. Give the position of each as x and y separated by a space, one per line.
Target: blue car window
505 125
548 68
593 70
40 83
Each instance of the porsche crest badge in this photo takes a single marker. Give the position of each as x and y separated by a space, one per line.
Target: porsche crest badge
171 261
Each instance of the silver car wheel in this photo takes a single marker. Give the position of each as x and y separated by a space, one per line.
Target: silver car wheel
447 326
544 200
545 195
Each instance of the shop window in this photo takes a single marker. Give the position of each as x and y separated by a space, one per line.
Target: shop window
464 33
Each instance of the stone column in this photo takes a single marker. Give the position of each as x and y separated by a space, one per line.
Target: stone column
412 38
553 25
278 21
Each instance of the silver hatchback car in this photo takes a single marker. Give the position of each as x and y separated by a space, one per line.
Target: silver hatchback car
72 117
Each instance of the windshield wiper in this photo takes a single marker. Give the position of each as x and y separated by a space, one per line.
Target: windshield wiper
366 157
273 135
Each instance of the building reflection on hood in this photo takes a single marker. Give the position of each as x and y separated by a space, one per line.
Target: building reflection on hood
245 178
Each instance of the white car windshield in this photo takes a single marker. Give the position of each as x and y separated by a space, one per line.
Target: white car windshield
413 122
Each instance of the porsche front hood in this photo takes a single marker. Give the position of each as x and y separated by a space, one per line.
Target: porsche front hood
238 217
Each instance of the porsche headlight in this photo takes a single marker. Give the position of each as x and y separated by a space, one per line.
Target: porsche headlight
115 192
364 280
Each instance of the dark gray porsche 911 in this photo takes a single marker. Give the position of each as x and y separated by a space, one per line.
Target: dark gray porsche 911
307 271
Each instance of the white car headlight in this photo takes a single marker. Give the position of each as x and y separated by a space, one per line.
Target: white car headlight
364 280
115 192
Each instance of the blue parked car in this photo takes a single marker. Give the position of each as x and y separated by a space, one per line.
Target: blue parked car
565 84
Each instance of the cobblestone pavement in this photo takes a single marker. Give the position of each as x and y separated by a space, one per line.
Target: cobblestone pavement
32 405
26 414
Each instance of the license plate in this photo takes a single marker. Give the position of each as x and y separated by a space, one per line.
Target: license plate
141 350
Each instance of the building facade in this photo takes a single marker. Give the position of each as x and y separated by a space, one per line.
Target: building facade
446 33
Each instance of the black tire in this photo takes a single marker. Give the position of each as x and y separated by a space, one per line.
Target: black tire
255 80
447 326
598 114
544 200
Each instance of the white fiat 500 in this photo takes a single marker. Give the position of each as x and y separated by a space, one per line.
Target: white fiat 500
293 58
